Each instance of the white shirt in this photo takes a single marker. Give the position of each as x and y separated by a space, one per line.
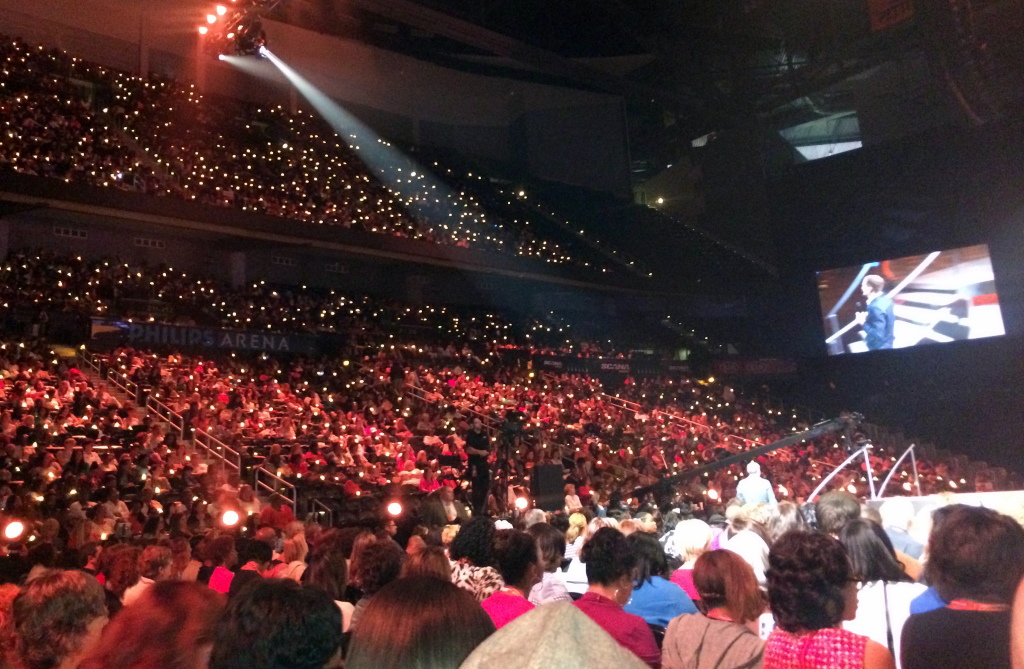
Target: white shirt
754 551
870 618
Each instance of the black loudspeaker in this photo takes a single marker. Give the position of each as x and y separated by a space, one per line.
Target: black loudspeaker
548 487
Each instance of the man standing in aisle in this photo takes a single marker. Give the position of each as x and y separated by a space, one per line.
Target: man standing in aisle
754 489
878 320
478 448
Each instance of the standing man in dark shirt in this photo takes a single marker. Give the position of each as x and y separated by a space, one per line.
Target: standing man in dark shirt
478 448
878 320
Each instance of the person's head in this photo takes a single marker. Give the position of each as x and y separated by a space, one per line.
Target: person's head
171 624
440 626
517 559
692 538
872 285
446 494
255 551
57 615
835 509
787 517
276 623
810 582
871 553
753 468
610 562
379 564
650 558
431 561
328 572
577 526
156 563
550 543
532 517
120 568
474 542
570 489
220 552
725 580
975 553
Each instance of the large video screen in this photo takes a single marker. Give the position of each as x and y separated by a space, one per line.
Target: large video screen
934 298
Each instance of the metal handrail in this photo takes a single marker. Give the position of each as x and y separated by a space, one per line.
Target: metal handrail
863 451
263 471
895 467
317 508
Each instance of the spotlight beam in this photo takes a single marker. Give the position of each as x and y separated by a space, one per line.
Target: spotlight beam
403 176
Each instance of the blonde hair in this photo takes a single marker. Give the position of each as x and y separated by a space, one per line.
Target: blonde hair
692 538
577 525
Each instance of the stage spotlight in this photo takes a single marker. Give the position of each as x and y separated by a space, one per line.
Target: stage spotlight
229 519
522 503
203 30
395 509
221 10
14 530
263 51
211 18
221 57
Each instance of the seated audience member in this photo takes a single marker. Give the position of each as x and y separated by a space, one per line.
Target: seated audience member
811 592
930 599
611 565
419 622
155 564
834 509
441 508
473 559
431 561
551 544
897 513
293 559
379 563
170 625
575 574
277 515
119 566
572 500
787 517
278 624
220 560
574 535
884 592
328 572
57 616
255 557
692 538
559 636
975 562
518 562
749 539
725 635
655 599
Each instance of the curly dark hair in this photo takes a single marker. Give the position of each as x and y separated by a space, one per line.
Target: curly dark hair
975 553
275 623
608 557
379 564
474 542
514 552
807 577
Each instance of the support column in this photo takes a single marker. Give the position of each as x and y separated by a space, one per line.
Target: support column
236 269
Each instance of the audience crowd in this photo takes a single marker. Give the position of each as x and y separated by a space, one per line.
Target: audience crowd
80 122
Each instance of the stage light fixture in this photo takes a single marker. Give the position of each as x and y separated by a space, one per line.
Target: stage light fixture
14 530
395 509
230 518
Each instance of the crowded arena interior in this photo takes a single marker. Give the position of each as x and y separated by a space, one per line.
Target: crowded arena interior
437 334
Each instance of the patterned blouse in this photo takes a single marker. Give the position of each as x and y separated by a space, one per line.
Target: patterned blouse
829 648
481 582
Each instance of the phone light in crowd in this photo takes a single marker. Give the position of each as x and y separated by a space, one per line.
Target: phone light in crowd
395 509
230 518
783 491
712 493
203 30
221 10
211 18
522 503
14 530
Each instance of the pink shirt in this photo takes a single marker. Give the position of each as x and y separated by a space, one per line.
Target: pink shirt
220 580
684 579
630 631
504 607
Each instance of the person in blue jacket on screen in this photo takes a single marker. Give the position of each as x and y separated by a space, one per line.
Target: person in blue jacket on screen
878 320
